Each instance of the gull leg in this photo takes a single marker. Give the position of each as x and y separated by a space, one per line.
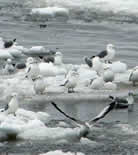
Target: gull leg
109 62
73 90
69 91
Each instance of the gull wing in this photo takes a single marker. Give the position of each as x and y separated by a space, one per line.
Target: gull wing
65 83
5 108
130 76
103 113
88 61
66 115
121 100
102 54
28 70
49 59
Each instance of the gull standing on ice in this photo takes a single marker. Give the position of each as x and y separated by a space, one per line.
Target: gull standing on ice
97 83
58 58
12 106
97 65
33 69
9 68
108 54
39 85
108 75
71 81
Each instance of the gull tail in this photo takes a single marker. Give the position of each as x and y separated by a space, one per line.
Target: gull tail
14 40
65 83
130 76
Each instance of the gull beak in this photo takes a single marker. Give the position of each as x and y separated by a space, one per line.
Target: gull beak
35 79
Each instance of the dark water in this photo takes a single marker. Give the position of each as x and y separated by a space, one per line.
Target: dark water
76 39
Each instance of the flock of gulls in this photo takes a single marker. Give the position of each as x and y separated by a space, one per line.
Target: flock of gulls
42 71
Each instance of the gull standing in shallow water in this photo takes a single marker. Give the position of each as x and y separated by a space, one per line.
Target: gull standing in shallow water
12 106
33 69
85 126
108 54
134 76
127 102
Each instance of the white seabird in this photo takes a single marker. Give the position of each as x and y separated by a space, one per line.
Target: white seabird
9 68
12 106
127 102
134 76
39 85
58 58
108 54
50 57
71 81
108 75
33 69
130 100
53 57
8 44
97 65
97 83
110 86
86 126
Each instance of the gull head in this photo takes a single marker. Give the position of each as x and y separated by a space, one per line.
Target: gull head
131 94
9 61
135 68
111 97
14 94
110 47
58 54
30 60
74 74
84 131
